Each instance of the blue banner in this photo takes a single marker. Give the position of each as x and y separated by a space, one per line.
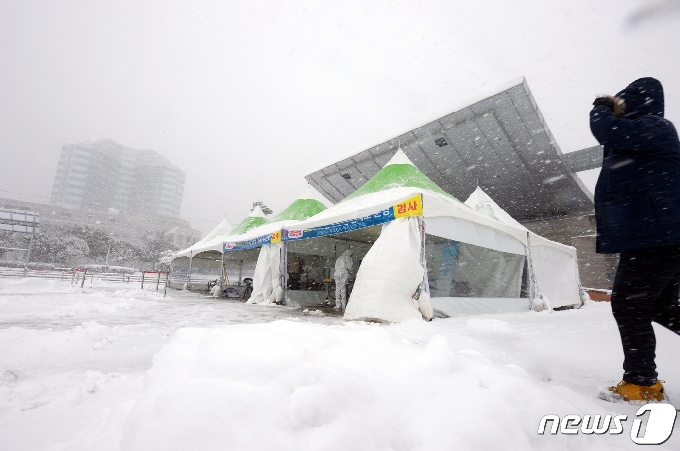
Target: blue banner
409 207
249 244
380 217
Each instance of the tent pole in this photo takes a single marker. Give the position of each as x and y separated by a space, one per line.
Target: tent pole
30 247
285 272
191 259
222 271
530 270
426 280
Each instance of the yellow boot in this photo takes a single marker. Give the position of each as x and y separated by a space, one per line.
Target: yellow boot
631 392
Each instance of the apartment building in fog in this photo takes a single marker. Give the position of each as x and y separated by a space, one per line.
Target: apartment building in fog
104 176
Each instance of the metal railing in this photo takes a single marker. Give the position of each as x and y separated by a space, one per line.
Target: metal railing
80 276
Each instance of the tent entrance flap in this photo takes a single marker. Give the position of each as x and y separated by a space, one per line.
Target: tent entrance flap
266 277
389 275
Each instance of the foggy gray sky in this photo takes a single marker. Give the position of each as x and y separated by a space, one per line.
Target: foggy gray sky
247 97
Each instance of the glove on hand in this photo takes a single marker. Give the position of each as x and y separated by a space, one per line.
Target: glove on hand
606 101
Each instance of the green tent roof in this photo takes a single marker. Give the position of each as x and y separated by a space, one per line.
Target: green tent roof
305 206
254 219
300 210
398 172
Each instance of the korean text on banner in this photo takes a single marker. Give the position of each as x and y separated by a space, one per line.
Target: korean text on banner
249 244
409 207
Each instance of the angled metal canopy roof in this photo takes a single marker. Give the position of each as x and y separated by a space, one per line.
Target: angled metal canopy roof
500 143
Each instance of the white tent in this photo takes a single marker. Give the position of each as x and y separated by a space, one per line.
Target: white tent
555 267
223 228
468 261
196 265
269 275
255 232
213 241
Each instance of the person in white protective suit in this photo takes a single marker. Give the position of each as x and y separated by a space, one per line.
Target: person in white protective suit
343 265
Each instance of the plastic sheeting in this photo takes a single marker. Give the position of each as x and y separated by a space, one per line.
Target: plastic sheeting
463 270
556 274
491 274
267 275
389 275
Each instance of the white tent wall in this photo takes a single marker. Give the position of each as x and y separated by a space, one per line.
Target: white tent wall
389 275
554 265
556 275
275 273
267 277
473 233
262 280
435 205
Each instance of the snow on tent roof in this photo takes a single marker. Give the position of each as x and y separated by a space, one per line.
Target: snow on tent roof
222 228
482 203
305 206
398 172
255 219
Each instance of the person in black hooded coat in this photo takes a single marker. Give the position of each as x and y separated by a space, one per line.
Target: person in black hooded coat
637 208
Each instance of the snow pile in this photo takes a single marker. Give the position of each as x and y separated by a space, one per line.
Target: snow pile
487 325
300 386
28 347
46 375
31 285
98 333
36 302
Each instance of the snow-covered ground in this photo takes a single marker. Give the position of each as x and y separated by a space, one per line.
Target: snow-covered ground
112 367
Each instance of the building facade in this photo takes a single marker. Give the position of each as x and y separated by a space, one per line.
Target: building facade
106 177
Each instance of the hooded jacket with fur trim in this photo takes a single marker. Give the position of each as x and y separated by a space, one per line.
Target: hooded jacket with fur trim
637 196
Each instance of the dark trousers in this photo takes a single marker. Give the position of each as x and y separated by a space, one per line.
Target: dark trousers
646 289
